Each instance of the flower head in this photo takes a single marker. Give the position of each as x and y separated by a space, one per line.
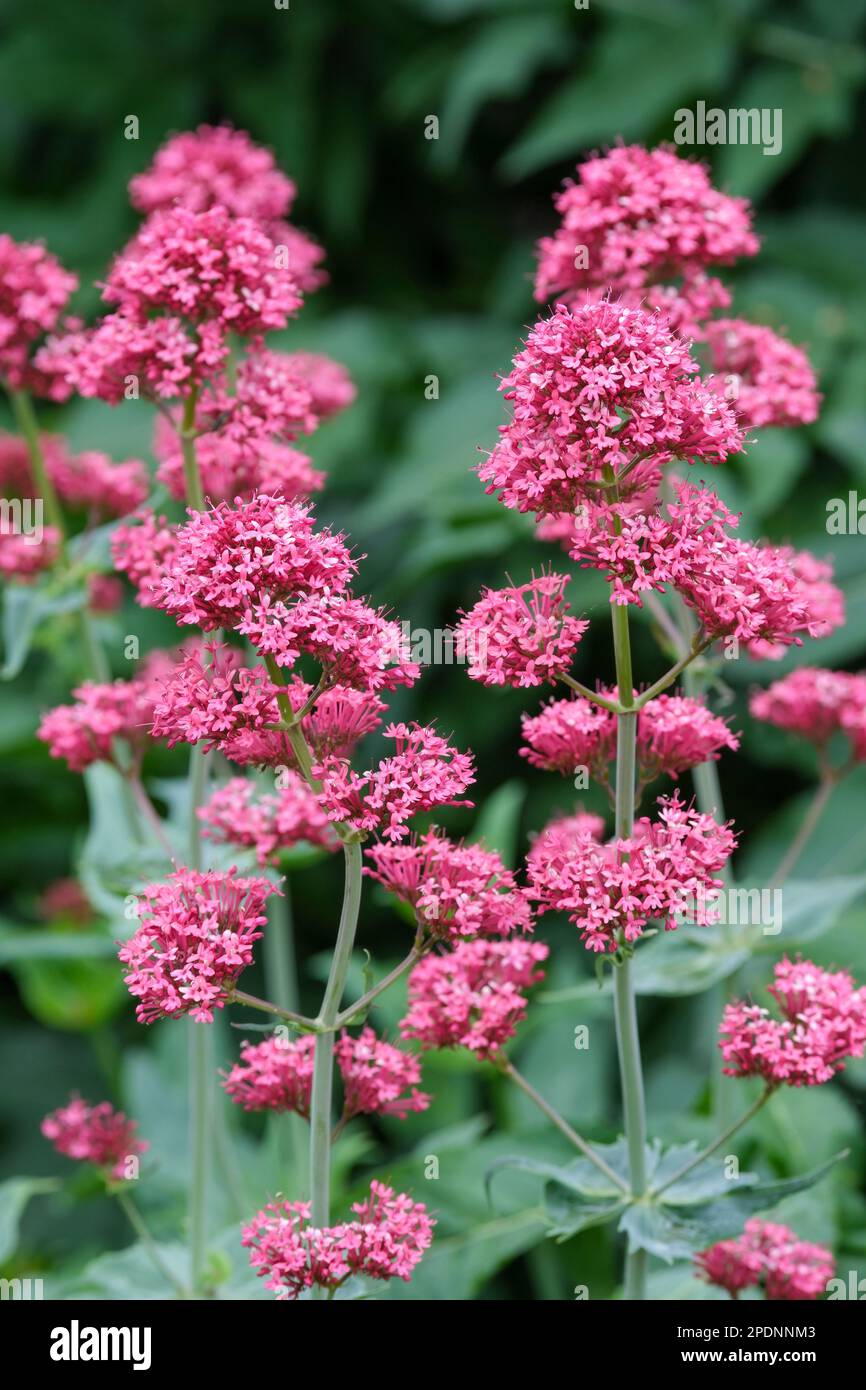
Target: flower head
329 383
141 548
210 166
276 1074
423 772
226 559
816 704
456 890
473 997
85 732
235 815
203 267
521 636
768 1256
643 218
378 1078
196 936
822 1021
385 1240
159 358
768 380
96 1134
357 646
34 289
665 870
674 733
592 391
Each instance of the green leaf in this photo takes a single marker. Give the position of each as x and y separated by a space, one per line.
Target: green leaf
499 822
456 1267
675 964
25 607
677 1229
14 1196
37 944
810 908
666 59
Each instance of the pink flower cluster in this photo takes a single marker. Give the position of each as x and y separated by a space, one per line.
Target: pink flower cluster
456 890
91 482
23 557
235 815
34 289
214 165
424 771
674 733
195 937
141 548
823 1021
228 558
664 871
96 1134
158 357
276 1074
520 636
378 1078
473 997
766 596
229 471
816 704
768 380
769 1257
385 1240
593 390
219 166
637 220
85 732
203 267
357 646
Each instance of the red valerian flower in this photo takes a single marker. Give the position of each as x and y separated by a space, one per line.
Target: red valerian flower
474 996
456 890
195 938
96 1134
771 1257
823 1021
520 636
385 1240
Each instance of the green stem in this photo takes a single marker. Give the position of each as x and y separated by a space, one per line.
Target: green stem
287 1132
625 1010
320 1105
137 1222
25 417
509 1070
360 1007
809 824
717 1143
588 694
192 476
200 1067
307 1025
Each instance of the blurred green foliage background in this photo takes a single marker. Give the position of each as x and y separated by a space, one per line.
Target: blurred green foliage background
430 252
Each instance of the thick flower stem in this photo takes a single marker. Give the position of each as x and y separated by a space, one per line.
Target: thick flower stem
628 1040
323 1066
